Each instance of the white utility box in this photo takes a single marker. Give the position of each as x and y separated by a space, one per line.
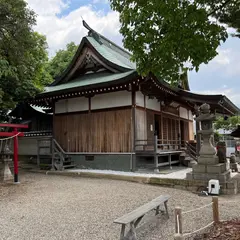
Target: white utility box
213 187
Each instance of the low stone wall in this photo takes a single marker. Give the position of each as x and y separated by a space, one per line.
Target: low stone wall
230 188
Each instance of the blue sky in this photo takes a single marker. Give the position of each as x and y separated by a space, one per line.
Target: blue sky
102 5
61 22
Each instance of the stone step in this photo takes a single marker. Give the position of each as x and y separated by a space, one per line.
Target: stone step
69 166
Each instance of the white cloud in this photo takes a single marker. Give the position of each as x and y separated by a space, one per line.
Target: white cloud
100 1
223 57
62 30
226 63
47 7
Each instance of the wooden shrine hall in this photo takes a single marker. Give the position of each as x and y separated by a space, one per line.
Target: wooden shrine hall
107 116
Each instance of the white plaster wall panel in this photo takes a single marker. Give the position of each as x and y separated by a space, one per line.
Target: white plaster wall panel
61 106
111 100
77 104
152 104
28 146
139 99
183 112
190 115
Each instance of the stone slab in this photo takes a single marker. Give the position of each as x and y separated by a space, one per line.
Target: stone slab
208 160
232 184
199 168
223 177
218 168
189 176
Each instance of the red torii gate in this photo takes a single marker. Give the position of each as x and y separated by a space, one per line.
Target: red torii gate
15 134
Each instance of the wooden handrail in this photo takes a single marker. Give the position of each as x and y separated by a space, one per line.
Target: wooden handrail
189 145
138 145
191 151
59 147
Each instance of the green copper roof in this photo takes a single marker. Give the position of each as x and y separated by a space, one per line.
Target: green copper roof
109 53
89 79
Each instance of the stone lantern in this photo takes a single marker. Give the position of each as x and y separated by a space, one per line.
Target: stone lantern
5 172
208 166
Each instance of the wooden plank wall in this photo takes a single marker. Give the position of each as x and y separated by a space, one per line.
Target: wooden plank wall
191 132
186 130
105 131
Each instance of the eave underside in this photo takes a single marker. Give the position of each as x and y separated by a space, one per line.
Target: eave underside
46 99
149 86
219 103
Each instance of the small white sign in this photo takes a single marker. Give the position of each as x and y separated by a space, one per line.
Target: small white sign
151 127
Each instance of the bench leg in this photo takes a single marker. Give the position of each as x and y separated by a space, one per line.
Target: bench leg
166 208
137 221
132 232
122 232
157 211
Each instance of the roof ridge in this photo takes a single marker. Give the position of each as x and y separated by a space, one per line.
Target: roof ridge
104 38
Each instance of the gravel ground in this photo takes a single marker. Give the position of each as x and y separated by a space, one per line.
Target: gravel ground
57 207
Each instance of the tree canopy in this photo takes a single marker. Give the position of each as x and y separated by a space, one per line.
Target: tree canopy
166 37
227 12
61 60
23 55
230 123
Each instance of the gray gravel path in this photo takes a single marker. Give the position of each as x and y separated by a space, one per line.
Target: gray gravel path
57 207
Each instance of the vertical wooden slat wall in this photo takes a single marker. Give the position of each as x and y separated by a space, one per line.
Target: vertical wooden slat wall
165 130
107 131
170 126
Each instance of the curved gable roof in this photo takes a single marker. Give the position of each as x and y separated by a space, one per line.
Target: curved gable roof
108 52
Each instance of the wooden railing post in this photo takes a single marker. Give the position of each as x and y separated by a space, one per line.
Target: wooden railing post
155 153
155 143
178 224
53 153
215 209
38 153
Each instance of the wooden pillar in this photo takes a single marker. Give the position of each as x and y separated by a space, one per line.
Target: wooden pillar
15 155
215 209
89 104
155 153
161 129
179 133
53 119
167 129
134 131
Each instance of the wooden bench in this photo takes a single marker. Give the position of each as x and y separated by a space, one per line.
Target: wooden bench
134 218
